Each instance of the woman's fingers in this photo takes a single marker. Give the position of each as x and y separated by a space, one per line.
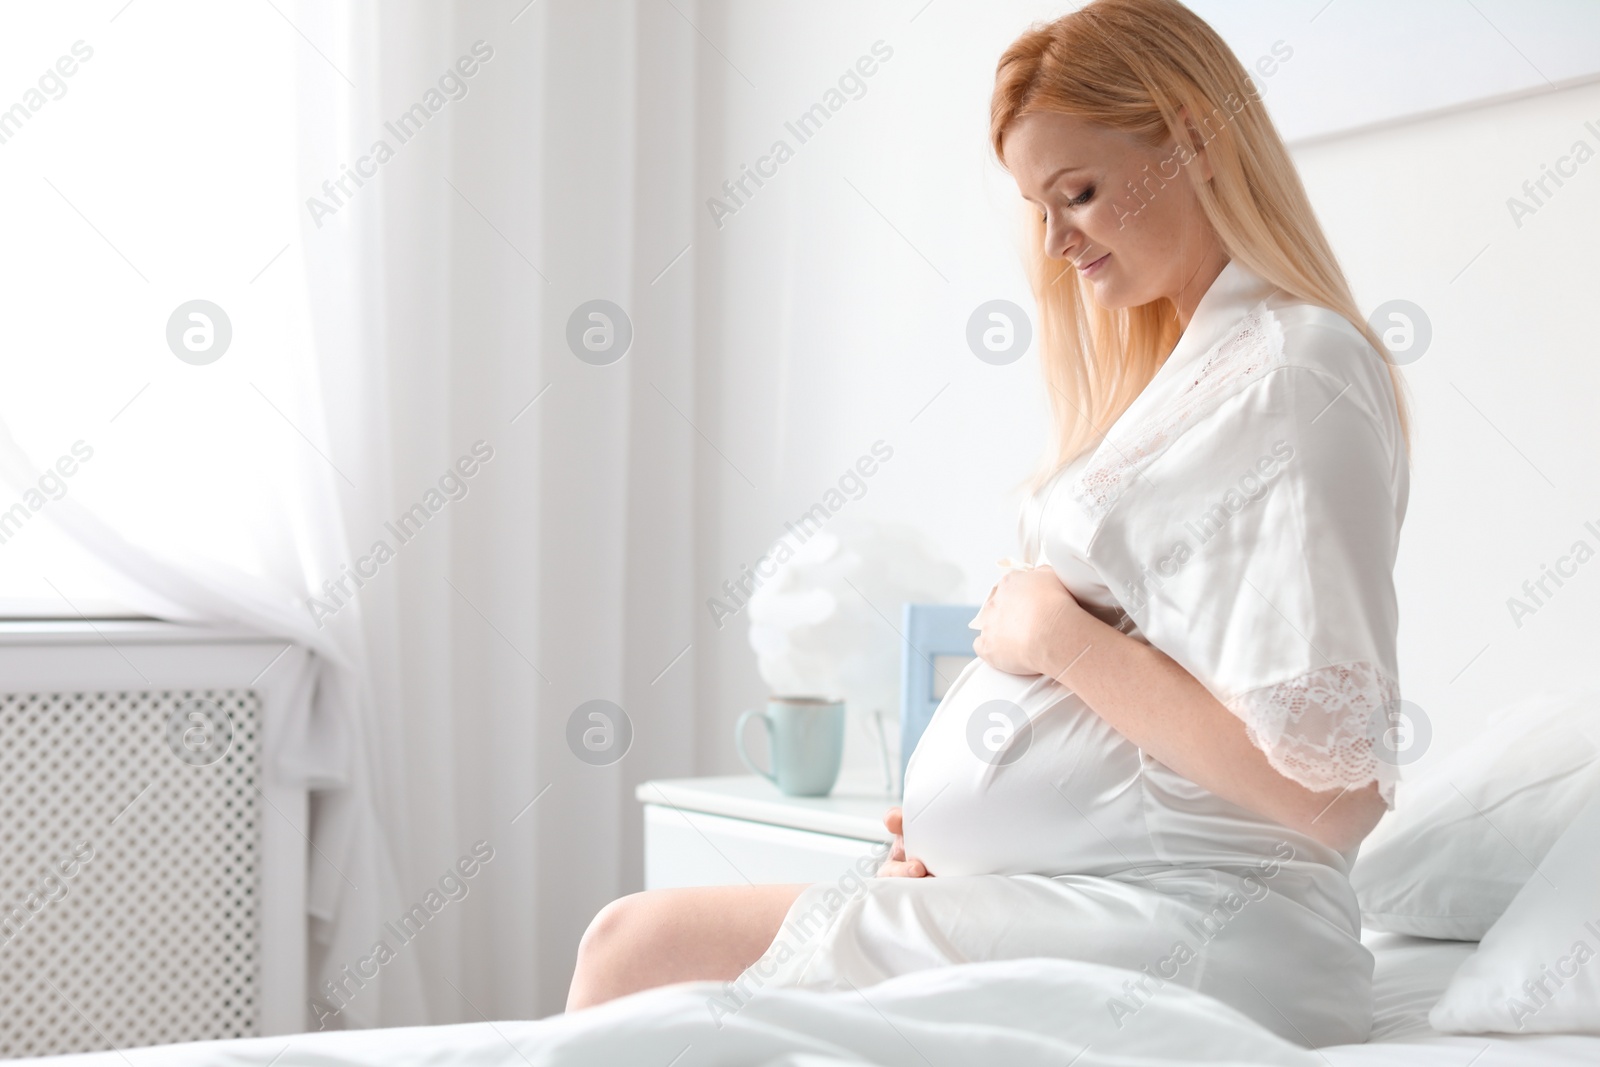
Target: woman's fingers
898 864
893 821
903 869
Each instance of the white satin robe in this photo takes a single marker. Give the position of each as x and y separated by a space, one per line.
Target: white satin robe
1242 516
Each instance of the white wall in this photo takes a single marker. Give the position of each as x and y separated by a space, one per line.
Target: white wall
837 297
1505 471
1363 63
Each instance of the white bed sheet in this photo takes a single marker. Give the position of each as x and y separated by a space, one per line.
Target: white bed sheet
1411 974
1020 1013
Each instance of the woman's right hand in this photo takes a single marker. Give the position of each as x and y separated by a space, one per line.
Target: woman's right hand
897 866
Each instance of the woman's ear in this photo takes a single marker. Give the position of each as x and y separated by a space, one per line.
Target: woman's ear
1195 151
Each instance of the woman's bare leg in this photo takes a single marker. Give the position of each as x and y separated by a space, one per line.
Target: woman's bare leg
663 936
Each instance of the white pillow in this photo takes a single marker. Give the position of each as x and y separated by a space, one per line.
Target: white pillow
1465 835
1538 968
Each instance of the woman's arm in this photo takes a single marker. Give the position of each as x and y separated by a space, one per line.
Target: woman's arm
1142 693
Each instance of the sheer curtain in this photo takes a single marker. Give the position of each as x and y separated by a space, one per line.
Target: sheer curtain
567 575
398 373
553 167
183 456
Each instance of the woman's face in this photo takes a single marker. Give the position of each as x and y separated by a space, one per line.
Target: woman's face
1121 212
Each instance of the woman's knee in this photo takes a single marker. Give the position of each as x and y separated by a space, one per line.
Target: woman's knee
593 972
670 935
619 922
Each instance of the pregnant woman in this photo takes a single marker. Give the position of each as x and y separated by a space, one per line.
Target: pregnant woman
1172 741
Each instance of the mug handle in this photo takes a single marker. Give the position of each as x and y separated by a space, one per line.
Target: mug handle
738 742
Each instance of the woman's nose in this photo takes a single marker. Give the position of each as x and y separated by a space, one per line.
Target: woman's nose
1058 239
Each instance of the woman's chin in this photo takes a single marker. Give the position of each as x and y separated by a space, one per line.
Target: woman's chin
1110 295
1107 294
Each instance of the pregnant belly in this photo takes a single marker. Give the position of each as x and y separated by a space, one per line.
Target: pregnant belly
1017 775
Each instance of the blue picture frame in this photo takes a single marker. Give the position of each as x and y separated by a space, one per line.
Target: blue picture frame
930 630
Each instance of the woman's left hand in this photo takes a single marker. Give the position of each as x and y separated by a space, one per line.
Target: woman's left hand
1024 611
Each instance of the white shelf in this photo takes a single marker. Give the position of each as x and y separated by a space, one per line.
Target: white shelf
848 812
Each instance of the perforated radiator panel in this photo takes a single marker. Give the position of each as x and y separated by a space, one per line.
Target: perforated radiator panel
128 869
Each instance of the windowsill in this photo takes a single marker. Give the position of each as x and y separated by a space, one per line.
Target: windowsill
121 631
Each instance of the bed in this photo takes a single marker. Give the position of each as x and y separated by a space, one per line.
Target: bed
1022 1012
1479 887
1411 974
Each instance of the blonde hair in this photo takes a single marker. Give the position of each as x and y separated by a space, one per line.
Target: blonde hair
1131 65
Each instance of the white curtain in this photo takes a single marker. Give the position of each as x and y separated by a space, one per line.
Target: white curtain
201 491
411 330
557 172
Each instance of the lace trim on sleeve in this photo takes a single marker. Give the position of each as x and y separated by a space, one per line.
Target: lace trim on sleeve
1249 350
1325 728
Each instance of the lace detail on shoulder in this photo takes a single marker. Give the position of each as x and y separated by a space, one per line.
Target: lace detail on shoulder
1325 729
1249 350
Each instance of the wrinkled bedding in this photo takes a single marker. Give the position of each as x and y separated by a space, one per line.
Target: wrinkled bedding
1021 1013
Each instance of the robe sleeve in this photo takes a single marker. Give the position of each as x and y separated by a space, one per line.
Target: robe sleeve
1257 549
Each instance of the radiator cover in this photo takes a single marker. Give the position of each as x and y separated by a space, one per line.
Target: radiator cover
155 937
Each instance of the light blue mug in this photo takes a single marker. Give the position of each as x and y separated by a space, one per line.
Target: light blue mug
805 738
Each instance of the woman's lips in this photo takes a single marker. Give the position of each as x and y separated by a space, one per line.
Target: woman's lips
1096 265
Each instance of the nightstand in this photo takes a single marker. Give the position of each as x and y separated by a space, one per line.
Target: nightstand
737 829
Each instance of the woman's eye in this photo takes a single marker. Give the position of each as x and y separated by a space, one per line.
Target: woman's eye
1082 198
